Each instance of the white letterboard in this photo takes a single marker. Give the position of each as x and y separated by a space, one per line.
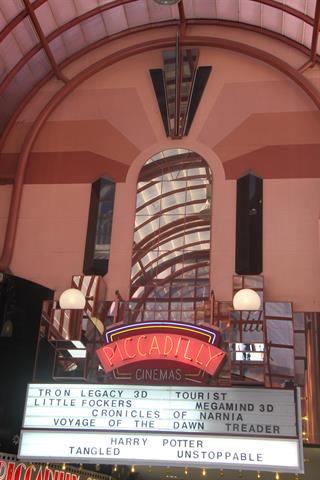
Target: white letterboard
160 449
136 408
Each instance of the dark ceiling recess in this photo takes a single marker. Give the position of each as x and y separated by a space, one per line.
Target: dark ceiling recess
179 88
157 77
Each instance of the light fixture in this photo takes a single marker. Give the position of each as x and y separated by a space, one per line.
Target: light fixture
204 472
246 299
115 468
132 469
277 476
167 2
63 466
72 299
185 471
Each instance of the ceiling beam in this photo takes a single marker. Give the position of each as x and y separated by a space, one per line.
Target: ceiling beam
89 48
287 9
182 18
43 40
149 288
100 9
166 233
115 3
156 260
12 24
85 16
18 66
168 194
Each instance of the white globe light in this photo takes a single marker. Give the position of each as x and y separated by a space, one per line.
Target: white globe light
72 299
246 299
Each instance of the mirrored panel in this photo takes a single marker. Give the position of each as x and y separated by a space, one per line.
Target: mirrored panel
278 309
247 352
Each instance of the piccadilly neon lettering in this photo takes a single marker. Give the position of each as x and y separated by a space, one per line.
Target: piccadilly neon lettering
161 346
20 471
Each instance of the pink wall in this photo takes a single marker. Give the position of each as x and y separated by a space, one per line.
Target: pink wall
51 234
114 117
291 242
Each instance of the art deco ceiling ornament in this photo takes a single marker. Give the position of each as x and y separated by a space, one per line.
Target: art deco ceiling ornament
178 88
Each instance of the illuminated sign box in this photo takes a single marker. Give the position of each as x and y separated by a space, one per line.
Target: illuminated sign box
210 426
160 449
265 412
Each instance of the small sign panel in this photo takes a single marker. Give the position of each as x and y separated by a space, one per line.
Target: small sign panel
159 449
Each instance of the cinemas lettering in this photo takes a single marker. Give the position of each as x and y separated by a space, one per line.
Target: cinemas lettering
158 374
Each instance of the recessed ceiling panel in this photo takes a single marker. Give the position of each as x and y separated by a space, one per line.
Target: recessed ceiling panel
81 23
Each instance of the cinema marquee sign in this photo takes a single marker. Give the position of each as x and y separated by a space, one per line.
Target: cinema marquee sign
245 428
194 349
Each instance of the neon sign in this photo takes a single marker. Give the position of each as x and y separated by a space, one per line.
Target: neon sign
188 345
21 471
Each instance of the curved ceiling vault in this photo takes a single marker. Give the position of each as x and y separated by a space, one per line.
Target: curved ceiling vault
38 38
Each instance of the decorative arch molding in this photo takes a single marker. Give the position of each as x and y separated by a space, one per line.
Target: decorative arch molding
146 27
132 31
123 54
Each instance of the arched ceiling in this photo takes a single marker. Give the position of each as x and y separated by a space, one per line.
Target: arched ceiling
39 37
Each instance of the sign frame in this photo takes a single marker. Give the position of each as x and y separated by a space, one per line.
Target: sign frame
277 444
67 431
